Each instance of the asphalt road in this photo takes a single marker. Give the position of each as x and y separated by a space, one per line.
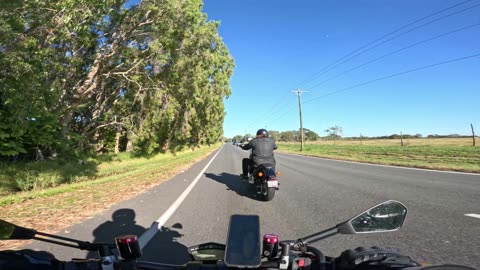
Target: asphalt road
315 194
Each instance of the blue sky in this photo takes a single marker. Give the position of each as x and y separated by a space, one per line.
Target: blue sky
277 44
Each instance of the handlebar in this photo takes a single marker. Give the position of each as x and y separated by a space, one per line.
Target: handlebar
317 261
144 265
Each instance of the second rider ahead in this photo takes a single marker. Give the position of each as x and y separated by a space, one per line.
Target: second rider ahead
262 152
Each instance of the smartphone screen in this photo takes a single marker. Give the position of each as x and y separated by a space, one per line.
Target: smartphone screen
243 242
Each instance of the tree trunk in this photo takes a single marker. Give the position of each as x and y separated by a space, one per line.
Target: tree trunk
117 141
39 155
129 145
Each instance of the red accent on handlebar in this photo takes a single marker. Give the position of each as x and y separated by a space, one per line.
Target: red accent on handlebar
270 238
128 247
125 239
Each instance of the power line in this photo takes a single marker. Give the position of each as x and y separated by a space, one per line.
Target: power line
273 113
378 79
277 107
339 61
288 111
281 116
394 75
394 52
241 130
264 113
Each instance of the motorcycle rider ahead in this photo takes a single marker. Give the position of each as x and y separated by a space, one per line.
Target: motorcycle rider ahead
262 152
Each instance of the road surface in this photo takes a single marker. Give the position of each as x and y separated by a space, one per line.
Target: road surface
443 223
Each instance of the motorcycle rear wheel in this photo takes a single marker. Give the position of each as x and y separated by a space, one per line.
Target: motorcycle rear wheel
268 194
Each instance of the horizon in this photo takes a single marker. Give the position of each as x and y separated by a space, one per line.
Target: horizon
423 136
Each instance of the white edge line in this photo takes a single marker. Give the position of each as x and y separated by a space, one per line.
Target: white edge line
380 165
473 215
157 225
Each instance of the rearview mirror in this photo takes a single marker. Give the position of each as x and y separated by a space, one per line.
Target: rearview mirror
9 231
385 217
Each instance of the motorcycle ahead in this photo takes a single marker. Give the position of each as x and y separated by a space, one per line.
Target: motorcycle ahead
265 180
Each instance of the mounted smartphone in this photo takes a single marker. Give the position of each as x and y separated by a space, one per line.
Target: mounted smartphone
243 242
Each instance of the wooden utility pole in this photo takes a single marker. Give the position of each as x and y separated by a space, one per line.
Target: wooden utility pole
401 138
299 94
473 134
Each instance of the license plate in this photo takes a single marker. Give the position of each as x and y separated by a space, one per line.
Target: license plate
272 184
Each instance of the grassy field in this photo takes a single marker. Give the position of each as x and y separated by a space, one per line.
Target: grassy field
454 154
406 142
112 181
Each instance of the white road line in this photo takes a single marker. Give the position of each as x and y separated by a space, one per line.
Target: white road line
473 215
157 225
380 165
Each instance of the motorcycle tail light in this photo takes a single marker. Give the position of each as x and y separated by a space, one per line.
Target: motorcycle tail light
260 174
278 173
128 247
270 245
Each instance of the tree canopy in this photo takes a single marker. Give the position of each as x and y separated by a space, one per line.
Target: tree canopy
80 75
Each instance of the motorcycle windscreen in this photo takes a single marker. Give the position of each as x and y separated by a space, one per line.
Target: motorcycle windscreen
243 242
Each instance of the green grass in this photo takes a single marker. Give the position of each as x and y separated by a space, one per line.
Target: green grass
52 178
115 179
441 157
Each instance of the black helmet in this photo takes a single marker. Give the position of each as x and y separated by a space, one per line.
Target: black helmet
263 132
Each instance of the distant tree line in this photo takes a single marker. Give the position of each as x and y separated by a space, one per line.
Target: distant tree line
393 136
409 136
285 136
335 133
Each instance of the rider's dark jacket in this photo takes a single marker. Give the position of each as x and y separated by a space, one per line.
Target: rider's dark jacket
262 150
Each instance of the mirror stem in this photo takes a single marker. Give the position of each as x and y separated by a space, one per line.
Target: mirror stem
318 236
310 241
55 242
60 237
82 245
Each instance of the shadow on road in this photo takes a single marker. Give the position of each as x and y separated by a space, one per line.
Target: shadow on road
165 248
122 223
235 183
